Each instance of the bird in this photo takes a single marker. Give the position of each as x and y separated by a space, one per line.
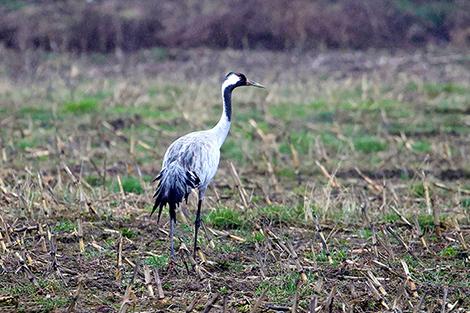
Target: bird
191 161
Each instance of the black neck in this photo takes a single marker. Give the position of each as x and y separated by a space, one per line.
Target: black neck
228 102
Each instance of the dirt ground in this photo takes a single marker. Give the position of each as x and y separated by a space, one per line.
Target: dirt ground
345 187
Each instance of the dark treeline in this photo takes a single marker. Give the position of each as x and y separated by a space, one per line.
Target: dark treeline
109 25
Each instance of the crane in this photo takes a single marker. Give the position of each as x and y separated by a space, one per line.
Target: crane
191 161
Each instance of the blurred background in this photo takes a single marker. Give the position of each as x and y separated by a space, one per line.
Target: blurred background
107 26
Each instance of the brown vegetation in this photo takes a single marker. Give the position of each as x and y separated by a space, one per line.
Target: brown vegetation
112 25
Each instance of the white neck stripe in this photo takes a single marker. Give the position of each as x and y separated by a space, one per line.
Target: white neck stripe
231 80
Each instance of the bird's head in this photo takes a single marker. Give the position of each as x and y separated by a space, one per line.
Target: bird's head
235 80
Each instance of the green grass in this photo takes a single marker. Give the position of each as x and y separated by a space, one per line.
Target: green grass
225 218
25 143
365 233
36 113
232 150
280 214
465 203
391 218
418 190
83 106
282 288
337 256
421 146
159 261
433 90
66 226
256 237
296 111
449 252
31 295
426 222
148 111
128 233
130 185
369 144
94 180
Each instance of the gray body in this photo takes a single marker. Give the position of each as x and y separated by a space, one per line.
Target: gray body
192 160
197 152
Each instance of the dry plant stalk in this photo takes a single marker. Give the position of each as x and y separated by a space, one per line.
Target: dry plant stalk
129 295
2 244
322 240
118 274
158 281
81 243
371 184
211 303
148 281
121 189
259 301
241 189
331 178
73 302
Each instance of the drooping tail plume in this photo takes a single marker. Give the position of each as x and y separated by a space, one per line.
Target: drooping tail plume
175 183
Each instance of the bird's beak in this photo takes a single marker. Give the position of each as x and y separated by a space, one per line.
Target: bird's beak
254 84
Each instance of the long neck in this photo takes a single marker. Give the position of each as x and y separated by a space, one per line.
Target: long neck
223 126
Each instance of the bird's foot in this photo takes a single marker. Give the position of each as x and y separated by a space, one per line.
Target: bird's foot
172 268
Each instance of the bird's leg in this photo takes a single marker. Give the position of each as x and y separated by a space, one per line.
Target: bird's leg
172 262
172 242
197 224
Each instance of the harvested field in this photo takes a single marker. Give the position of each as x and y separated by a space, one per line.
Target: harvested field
345 186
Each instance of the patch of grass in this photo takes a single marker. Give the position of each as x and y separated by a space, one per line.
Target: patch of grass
231 150
52 303
337 257
301 140
331 140
225 218
280 214
228 247
369 144
25 143
129 184
256 237
159 261
325 117
411 87
36 113
287 172
66 226
94 180
421 146
426 222
231 265
365 233
449 252
433 90
282 287
279 288
391 218
143 110
83 106
296 111
31 292
465 203
418 190
128 233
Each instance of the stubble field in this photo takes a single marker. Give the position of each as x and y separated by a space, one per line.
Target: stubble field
345 186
